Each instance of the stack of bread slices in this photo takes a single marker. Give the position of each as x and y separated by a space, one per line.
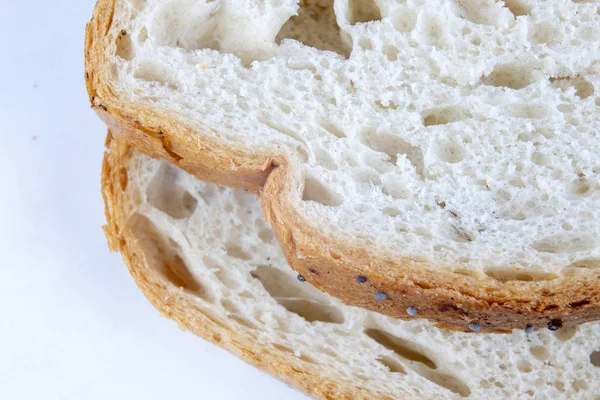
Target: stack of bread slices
367 198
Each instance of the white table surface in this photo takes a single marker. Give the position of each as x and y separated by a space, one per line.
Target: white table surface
73 325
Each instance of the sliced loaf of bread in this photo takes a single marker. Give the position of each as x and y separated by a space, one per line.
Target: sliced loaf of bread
205 257
446 151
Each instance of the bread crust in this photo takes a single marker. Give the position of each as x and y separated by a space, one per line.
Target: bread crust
451 300
178 304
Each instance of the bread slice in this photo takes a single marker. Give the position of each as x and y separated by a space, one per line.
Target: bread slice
446 151
205 257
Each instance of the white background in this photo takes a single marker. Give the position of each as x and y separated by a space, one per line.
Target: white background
73 325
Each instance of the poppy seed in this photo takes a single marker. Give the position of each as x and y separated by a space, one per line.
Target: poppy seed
554 325
529 329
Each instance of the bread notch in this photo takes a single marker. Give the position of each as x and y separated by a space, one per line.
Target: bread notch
446 151
205 257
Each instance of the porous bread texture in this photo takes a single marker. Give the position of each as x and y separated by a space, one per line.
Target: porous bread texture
332 170
207 258
460 133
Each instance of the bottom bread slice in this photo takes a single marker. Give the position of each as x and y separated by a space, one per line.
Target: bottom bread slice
204 256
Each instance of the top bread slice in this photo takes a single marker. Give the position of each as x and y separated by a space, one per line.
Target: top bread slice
205 257
444 152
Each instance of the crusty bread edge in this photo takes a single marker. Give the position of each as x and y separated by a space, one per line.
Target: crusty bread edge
451 300
154 133
175 303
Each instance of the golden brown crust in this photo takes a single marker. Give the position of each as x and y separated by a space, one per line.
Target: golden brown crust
175 303
447 298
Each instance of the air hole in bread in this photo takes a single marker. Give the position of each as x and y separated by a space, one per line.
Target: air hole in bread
222 274
396 190
588 263
404 19
234 250
545 33
540 353
208 193
444 115
579 385
243 321
394 146
417 361
313 311
583 87
230 306
174 245
450 152
333 129
403 348
506 275
365 44
581 267
524 366
156 74
301 143
266 235
188 24
307 358
301 65
392 211
391 52
315 26
583 187
297 297
566 333
368 177
165 194
433 31
510 76
539 158
518 182
324 158
460 234
502 196
482 12
124 46
123 178
319 193
386 105
518 7
528 111
364 11
328 351
283 348
595 358
392 364
467 272
137 4
565 244
143 35
162 258
475 40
